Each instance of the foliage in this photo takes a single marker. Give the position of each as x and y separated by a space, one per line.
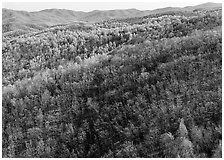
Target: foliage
99 91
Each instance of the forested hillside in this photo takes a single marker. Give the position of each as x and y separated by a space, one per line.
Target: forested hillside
138 87
13 20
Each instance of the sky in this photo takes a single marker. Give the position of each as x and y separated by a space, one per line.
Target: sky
100 5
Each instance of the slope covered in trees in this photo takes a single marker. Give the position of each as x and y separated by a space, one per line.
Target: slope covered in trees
134 88
13 20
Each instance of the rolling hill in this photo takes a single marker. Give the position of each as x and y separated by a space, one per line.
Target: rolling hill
206 6
97 15
23 20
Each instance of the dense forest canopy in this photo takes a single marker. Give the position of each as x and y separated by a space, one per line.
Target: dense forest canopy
136 87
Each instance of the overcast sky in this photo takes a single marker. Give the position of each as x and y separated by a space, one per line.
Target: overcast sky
100 5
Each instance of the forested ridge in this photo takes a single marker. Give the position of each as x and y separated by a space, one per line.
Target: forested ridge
138 87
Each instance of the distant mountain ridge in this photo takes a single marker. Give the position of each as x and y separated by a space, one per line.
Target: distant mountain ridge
12 19
208 5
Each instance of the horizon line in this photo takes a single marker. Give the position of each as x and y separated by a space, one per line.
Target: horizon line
70 9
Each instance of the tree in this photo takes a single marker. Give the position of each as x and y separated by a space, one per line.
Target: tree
182 130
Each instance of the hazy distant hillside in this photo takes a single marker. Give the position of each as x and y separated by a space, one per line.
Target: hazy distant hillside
162 10
20 19
206 6
59 15
35 20
97 15
13 20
